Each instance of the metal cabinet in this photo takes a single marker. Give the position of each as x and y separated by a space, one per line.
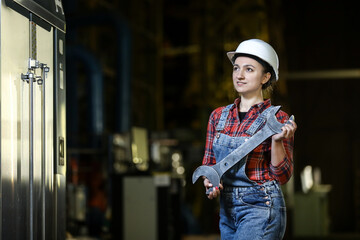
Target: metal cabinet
311 214
32 127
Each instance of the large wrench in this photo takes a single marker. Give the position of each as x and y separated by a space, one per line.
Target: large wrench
215 172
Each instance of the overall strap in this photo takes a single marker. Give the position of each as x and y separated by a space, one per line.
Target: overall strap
259 121
224 114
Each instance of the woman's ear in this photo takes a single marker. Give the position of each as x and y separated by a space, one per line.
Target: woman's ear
266 78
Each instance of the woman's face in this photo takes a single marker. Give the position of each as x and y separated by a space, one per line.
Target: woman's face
248 76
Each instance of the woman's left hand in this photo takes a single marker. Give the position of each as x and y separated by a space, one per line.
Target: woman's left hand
288 131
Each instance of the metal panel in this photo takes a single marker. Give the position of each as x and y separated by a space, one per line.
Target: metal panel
32 147
60 133
140 204
0 131
44 123
14 125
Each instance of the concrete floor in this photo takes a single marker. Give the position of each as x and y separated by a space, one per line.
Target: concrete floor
349 236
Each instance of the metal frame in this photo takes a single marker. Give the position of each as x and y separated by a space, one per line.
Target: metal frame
41 12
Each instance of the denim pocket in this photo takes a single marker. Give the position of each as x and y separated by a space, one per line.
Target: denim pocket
260 199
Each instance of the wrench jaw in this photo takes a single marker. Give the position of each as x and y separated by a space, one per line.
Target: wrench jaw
272 121
208 172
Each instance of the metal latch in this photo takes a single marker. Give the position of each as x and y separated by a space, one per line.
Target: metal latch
30 75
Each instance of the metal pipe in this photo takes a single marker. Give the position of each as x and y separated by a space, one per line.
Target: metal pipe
43 152
32 54
31 157
95 76
123 64
324 74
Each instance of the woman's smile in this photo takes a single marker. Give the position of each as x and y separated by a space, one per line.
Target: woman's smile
240 83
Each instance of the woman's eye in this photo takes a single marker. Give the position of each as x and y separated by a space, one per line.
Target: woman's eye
236 69
249 69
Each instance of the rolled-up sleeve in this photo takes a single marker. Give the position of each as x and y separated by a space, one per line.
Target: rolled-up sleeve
209 157
283 172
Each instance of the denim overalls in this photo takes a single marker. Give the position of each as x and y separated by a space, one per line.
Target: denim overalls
247 210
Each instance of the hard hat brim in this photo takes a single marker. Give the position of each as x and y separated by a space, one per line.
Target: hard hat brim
231 55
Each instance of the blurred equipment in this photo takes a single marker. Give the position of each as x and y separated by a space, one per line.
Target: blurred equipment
120 146
307 179
139 146
145 195
151 207
140 208
311 214
32 126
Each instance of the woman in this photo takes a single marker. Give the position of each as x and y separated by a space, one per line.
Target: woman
251 202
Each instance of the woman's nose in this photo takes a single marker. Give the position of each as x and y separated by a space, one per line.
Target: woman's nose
239 74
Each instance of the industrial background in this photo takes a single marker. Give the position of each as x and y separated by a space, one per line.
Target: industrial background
142 79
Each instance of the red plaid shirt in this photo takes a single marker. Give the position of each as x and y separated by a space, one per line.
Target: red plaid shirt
258 166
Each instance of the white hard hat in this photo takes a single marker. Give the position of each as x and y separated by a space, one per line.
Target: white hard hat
260 49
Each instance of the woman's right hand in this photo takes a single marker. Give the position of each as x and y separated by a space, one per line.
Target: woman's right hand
215 191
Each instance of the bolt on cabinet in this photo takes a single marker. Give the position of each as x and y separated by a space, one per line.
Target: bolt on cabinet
32 127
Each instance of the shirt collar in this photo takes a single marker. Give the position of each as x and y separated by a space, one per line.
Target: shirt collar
257 107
